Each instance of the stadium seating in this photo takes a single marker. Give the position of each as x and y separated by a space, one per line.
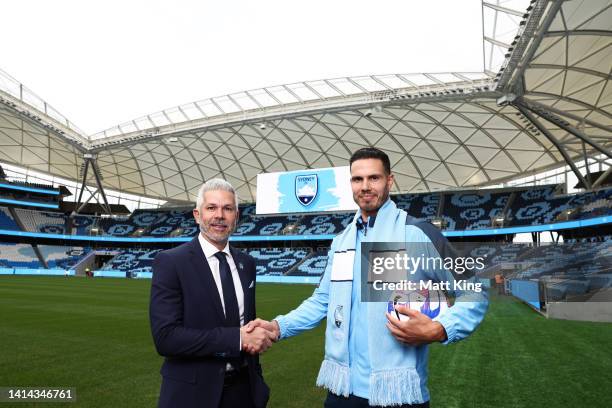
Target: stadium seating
536 206
575 260
273 225
42 221
423 206
323 223
277 261
246 211
117 226
594 204
473 210
62 257
467 210
132 260
497 253
168 223
313 265
6 220
155 223
83 224
18 256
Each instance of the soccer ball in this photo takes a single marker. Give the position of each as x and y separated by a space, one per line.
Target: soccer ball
432 303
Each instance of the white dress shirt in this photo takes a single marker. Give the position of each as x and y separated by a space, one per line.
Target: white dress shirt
209 252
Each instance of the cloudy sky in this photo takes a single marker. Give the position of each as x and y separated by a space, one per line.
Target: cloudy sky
103 63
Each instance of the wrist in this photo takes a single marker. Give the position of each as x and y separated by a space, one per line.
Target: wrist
438 333
276 329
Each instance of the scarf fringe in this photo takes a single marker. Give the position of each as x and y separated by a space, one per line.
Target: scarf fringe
395 387
335 377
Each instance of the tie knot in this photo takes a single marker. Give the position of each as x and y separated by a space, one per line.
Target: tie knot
221 256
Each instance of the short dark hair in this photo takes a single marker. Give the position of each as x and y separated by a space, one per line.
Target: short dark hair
372 153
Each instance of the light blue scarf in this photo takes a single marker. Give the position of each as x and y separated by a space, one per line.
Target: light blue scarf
394 378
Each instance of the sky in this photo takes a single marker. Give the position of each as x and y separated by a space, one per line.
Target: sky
103 63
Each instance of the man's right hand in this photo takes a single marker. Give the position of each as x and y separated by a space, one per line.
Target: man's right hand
256 340
271 326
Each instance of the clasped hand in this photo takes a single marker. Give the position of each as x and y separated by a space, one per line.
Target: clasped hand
258 335
420 329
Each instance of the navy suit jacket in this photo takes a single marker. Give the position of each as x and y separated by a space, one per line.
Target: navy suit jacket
187 323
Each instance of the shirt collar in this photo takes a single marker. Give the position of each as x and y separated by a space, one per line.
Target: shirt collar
209 249
372 218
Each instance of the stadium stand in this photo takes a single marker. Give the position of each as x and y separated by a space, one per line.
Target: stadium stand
177 222
277 261
423 206
567 260
82 224
594 204
117 226
18 256
62 257
313 265
6 220
323 223
132 260
246 211
473 210
42 221
467 210
273 225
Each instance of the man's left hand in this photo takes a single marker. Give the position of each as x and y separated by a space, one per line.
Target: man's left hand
419 329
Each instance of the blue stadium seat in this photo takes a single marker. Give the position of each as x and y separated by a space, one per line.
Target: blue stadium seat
324 223
273 225
18 256
83 224
132 260
62 257
42 221
313 265
474 210
277 261
536 206
6 220
424 206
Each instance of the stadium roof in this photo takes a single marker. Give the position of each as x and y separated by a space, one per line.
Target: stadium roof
549 103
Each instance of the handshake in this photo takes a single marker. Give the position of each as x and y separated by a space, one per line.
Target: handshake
258 335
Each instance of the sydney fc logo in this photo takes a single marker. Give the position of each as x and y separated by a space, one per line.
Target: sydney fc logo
306 188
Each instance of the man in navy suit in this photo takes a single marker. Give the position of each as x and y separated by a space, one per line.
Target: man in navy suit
202 295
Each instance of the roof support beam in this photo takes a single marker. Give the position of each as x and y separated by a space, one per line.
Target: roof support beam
82 206
602 178
586 71
529 42
503 9
89 160
553 140
599 33
83 183
99 183
544 113
568 115
497 42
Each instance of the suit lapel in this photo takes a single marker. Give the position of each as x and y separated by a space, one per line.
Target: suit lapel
245 280
204 273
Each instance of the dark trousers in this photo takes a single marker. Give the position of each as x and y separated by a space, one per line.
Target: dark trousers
335 401
237 391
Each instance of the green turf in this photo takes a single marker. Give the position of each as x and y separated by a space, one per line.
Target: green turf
93 334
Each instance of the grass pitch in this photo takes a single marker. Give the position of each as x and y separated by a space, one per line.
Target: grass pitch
93 334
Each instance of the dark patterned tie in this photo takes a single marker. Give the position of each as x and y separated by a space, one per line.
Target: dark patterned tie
232 312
